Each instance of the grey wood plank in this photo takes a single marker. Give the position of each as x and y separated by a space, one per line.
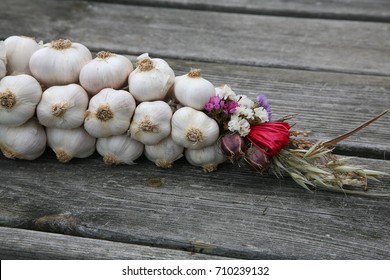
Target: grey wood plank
369 10
232 212
314 44
28 244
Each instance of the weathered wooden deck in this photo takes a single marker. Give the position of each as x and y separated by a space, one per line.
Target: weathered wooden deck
328 61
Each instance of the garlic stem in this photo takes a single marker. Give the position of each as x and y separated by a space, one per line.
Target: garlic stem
104 113
103 54
194 73
194 135
7 99
145 64
59 109
148 126
61 44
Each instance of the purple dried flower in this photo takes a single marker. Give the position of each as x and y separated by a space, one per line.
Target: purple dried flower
215 103
230 107
263 102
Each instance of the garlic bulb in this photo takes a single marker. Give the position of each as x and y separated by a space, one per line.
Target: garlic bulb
63 106
27 141
151 80
208 157
164 153
119 149
193 129
59 62
19 96
19 51
3 60
70 143
109 113
107 70
193 90
151 122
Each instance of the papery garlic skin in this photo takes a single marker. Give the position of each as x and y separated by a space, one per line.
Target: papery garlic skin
193 129
3 60
70 143
63 106
59 62
19 51
151 80
164 153
119 149
107 70
27 141
151 122
19 96
208 157
109 113
193 90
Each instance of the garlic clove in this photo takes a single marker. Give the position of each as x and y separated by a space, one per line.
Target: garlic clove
27 141
63 106
151 122
19 96
208 157
109 113
59 62
107 70
119 149
193 90
3 60
164 153
151 80
19 51
193 129
70 143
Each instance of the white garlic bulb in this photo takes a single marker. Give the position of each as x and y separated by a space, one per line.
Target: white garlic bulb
107 70
19 51
151 122
109 113
151 80
27 141
70 143
193 129
63 106
193 90
119 149
208 157
3 60
59 62
164 153
19 96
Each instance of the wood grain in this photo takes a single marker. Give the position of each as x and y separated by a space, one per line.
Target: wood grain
231 213
28 244
363 10
284 42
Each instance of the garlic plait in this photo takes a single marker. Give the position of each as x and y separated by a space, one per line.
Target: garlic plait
164 153
193 90
151 80
3 60
193 129
59 62
70 143
107 70
63 106
208 157
19 51
27 141
119 149
151 122
19 96
109 113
